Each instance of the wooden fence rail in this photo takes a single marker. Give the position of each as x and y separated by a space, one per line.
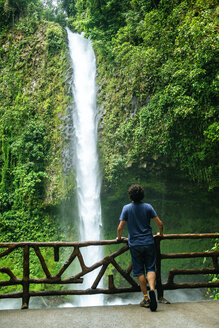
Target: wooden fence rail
26 280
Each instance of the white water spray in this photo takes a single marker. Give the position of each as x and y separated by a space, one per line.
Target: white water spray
86 157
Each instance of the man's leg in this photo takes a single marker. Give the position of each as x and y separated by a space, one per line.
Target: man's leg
151 276
143 285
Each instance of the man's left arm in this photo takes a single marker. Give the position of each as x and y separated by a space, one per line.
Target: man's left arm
120 229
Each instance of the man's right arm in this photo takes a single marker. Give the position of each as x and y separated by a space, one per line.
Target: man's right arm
159 224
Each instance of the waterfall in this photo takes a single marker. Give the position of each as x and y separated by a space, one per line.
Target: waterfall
84 111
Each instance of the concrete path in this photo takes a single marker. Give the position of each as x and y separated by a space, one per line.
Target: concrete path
176 315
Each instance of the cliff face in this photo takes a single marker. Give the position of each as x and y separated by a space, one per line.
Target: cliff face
33 100
157 92
157 80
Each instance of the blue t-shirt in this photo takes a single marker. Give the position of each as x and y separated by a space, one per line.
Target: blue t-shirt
138 216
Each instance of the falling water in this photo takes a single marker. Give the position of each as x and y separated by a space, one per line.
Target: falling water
84 111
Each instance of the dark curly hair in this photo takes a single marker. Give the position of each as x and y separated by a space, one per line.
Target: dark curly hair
136 193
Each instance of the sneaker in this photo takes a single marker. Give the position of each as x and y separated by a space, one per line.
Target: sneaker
153 301
145 303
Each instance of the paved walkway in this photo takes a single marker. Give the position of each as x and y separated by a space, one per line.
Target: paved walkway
176 315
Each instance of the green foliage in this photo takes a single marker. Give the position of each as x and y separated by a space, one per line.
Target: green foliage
53 12
33 99
54 39
12 10
213 292
158 89
29 173
96 16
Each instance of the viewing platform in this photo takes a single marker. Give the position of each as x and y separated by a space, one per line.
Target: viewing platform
180 315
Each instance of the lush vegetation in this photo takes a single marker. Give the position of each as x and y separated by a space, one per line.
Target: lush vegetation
33 99
11 11
33 103
157 79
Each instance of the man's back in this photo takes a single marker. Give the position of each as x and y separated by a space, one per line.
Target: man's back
138 216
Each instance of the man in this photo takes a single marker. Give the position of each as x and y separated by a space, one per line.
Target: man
141 242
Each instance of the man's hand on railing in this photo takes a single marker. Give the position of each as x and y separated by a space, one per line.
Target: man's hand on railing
121 238
159 234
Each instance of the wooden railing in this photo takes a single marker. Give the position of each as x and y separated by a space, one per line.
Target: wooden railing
26 280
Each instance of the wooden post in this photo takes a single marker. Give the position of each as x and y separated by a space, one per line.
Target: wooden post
111 282
158 269
56 253
159 285
26 273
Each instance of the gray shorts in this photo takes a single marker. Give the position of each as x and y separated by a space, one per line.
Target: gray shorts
143 259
